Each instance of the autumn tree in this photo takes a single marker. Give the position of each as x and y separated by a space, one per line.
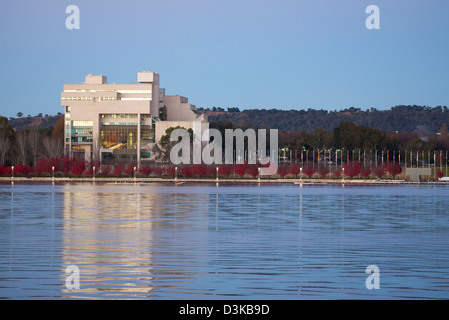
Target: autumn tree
58 130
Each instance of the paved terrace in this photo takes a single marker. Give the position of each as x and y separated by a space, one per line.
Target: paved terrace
228 181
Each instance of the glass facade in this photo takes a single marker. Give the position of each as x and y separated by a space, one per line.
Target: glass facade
146 135
104 90
82 123
121 123
119 115
77 98
125 137
79 131
81 139
118 137
134 91
137 99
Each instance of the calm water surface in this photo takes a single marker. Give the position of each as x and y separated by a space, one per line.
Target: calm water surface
228 242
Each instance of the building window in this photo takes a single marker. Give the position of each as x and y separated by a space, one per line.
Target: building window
82 139
79 131
119 123
118 137
82 123
77 98
78 147
133 91
119 115
136 99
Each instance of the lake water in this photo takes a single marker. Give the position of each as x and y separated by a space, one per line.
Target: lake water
200 241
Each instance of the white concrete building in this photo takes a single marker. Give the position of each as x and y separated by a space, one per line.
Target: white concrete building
119 120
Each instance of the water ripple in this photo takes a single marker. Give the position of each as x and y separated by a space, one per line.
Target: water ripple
226 242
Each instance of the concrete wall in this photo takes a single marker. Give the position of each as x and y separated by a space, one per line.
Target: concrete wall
417 174
162 126
178 108
91 79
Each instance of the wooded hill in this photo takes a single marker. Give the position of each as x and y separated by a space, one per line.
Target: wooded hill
400 118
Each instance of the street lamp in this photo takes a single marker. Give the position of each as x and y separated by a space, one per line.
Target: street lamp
343 174
53 172
12 172
258 172
93 174
135 173
300 174
217 173
176 173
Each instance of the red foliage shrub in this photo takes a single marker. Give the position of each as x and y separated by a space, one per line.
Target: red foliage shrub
186 170
78 167
323 172
105 170
379 171
440 174
169 170
129 170
211 171
43 166
90 167
352 169
365 172
65 164
199 170
160 170
282 171
21 169
252 171
295 170
240 169
224 170
118 169
4 170
54 162
393 169
145 170
309 171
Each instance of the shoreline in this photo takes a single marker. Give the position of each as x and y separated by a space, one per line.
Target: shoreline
128 180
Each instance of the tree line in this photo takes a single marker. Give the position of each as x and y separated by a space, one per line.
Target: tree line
29 145
349 136
411 118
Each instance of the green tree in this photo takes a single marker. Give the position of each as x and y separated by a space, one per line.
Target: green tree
162 149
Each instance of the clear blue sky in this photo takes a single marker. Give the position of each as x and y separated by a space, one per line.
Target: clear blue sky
286 54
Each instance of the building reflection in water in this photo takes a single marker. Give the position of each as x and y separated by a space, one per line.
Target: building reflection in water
128 240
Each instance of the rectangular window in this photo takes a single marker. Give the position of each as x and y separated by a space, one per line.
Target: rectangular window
82 123
119 115
133 91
